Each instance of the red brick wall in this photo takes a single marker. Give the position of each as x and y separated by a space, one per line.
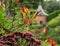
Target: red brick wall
41 18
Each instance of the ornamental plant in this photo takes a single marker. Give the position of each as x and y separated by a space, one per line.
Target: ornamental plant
16 38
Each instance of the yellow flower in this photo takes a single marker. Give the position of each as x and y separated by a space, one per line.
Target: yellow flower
27 10
45 40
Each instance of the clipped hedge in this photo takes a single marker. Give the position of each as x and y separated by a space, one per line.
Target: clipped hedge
53 15
54 22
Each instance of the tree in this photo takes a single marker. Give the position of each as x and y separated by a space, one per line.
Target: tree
51 6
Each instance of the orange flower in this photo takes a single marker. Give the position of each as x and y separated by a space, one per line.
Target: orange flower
48 39
44 31
24 9
27 10
51 41
26 20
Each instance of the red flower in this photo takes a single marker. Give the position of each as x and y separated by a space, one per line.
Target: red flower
48 39
51 41
26 20
24 9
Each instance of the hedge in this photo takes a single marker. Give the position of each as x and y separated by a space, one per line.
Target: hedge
53 15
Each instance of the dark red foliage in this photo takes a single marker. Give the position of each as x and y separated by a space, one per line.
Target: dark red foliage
38 41
10 39
1 45
28 34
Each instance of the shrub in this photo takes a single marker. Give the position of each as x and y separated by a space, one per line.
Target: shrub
54 22
53 33
52 6
53 15
19 39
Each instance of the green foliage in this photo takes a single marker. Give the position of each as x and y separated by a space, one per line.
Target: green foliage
53 33
53 15
4 23
31 3
51 6
17 23
1 10
3 20
54 22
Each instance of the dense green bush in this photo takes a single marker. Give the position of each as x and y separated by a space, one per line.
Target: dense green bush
53 33
31 3
54 22
52 6
3 20
53 15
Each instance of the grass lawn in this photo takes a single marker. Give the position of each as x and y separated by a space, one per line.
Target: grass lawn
46 44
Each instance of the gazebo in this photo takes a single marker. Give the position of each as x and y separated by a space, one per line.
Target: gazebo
40 15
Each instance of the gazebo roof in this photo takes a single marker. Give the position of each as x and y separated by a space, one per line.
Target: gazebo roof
41 11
